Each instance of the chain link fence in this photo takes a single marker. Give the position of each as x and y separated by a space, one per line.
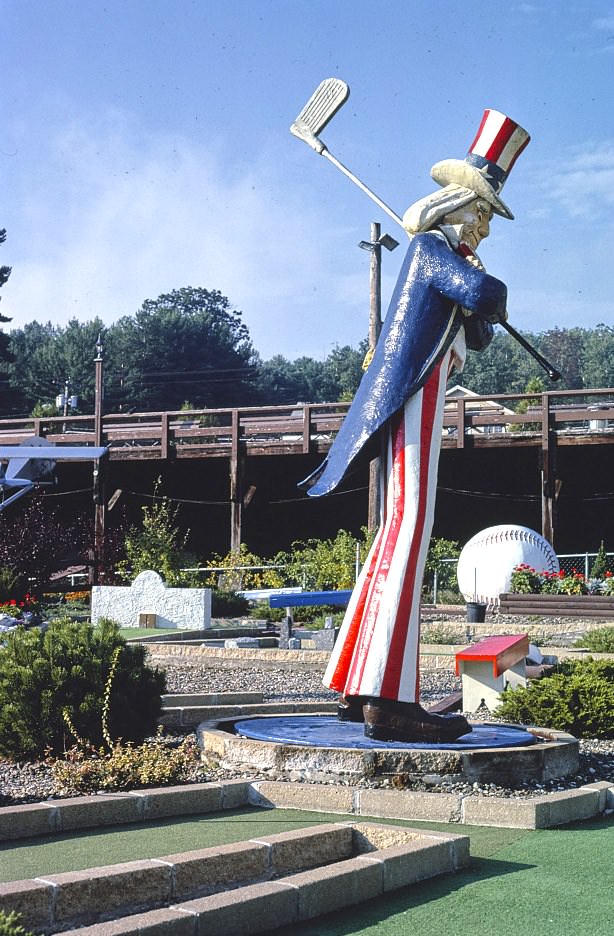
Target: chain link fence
441 587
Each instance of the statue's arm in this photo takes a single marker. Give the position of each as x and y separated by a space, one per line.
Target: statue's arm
461 282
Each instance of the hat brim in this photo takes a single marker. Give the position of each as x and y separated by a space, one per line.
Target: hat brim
459 172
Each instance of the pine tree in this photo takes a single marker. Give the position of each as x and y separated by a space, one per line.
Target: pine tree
5 272
600 565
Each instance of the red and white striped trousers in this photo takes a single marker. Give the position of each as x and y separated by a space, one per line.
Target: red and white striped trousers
376 653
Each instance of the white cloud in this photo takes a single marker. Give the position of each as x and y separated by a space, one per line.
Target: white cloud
581 183
133 218
604 23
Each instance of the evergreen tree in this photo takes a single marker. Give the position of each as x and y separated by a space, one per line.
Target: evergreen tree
5 272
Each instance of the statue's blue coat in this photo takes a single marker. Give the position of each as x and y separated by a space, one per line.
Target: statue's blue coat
423 318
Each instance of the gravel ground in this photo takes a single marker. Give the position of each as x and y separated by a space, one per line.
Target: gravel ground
31 782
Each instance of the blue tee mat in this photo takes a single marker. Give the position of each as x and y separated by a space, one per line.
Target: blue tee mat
327 731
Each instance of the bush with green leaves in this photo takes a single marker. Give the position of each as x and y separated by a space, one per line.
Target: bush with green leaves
438 560
577 698
159 545
10 925
601 564
55 685
156 762
525 580
599 640
323 565
13 584
241 569
228 604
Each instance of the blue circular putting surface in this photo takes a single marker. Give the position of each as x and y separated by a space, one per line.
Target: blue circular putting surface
326 731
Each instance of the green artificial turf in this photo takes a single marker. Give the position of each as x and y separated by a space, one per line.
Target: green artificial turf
133 633
75 851
553 881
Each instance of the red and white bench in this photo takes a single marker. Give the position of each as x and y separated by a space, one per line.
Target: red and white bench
489 666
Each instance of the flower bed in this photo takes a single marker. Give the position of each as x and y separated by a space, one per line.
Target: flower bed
529 581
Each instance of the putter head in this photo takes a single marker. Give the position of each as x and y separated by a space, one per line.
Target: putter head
330 95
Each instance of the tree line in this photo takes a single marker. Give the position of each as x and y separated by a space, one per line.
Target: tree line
191 347
186 347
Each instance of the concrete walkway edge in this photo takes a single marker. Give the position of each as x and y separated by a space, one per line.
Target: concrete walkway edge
111 809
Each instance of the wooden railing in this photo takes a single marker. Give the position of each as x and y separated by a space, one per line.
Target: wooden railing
567 417
300 428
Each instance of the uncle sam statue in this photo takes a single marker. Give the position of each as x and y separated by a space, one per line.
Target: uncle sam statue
443 304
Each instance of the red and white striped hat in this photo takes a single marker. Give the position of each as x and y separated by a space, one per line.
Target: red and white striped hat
498 144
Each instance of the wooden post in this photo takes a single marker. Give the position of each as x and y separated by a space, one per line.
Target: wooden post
375 286
548 473
306 429
375 327
164 425
98 484
460 422
235 486
99 522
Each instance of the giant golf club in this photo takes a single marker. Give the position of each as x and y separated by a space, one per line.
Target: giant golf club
330 95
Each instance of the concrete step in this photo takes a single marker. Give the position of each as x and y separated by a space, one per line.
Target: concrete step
191 716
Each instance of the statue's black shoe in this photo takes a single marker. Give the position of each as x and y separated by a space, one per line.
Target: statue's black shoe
349 708
390 720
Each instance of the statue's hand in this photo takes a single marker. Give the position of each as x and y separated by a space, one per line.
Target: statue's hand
499 316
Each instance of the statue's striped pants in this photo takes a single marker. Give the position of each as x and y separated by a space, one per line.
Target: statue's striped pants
376 653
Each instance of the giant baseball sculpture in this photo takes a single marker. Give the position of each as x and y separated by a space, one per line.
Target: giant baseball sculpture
488 559
444 303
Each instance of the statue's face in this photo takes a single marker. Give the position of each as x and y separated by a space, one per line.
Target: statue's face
472 222
476 222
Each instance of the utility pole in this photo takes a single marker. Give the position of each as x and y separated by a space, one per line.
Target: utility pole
66 392
99 495
98 360
375 286
374 246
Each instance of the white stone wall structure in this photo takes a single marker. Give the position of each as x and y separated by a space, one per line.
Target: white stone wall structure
183 608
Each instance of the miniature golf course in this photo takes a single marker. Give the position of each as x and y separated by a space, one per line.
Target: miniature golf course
547 881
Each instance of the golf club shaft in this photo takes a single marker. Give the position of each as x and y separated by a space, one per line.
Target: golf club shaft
552 372
362 186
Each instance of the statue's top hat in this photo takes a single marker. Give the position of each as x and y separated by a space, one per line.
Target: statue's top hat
498 144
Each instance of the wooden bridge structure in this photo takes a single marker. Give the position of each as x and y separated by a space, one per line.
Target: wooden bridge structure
546 423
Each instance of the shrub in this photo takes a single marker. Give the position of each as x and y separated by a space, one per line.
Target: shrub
440 552
158 545
228 604
578 698
525 580
572 584
242 569
51 679
600 640
13 584
323 565
600 565
528 581
126 767
10 925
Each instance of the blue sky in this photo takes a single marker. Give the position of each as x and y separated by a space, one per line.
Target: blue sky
144 147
